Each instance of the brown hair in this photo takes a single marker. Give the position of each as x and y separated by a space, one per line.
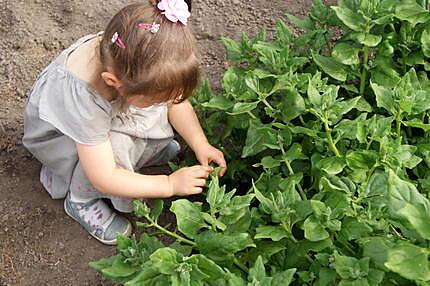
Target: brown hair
163 64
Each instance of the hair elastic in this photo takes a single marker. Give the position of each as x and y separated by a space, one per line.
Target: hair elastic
174 10
117 40
153 28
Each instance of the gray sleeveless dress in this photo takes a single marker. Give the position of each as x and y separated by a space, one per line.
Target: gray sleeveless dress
63 110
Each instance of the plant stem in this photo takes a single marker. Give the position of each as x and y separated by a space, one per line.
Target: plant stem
302 193
346 245
172 234
369 144
252 115
287 229
240 265
395 231
364 71
331 144
398 124
267 104
302 121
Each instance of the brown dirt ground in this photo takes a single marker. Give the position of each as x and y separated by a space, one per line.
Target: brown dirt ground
39 244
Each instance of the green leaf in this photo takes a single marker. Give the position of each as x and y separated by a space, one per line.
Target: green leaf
141 209
425 41
233 49
275 233
120 269
207 266
266 249
266 204
350 267
213 221
258 272
232 82
305 23
384 73
283 33
203 93
409 261
352 20
218 102
369 40
283 278
355 282
384 98
268 162
386 49
417 124
346 54
294 153
216 194
258 135
166 260
377 249
334 183
340 108
101 264
243 107
379 126
148 276
424 151
405 201
236 204
326 277
332 165
156 208
358 160
313 93
188 216
331 67
234 280
268 54
375 276
354 229
222 246
412 12
421 101
313 229
292 105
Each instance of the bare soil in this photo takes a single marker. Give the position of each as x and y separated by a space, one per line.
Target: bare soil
39 244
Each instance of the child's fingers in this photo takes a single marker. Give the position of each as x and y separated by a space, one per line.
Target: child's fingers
223 170
199 182
219 159
196 190
202 172
201 167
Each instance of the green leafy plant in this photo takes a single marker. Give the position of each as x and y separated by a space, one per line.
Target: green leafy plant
329 153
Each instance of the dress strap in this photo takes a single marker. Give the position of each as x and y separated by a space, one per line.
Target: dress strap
79 42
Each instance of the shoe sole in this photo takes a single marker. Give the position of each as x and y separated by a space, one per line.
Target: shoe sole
107 242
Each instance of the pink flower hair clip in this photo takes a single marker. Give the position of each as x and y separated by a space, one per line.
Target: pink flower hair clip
153 28
117 40
174 10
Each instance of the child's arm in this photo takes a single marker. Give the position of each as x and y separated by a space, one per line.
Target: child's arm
185 121
99 165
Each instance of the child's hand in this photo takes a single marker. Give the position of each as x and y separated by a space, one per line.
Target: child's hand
189 181
206 153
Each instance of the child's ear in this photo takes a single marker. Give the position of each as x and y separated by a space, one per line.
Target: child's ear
111 79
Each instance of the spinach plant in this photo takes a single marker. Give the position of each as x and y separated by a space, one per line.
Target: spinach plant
327 138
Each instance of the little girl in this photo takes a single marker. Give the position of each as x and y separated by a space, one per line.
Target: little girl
106 107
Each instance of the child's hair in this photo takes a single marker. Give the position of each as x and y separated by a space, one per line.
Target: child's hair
162 64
